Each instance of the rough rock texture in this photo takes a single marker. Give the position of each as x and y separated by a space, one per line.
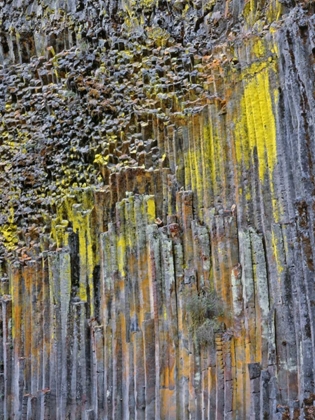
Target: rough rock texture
150 151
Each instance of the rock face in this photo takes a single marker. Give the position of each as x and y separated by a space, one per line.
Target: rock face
157 156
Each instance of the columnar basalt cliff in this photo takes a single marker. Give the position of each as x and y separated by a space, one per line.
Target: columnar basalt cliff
155 154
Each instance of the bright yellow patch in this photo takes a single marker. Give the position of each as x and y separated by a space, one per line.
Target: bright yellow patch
151 209
255 130
8 232
121 252
256 127
274 11
259 48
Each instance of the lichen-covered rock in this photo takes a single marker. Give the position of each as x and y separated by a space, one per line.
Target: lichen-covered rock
153 152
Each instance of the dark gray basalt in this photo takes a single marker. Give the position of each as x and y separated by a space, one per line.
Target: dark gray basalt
156 156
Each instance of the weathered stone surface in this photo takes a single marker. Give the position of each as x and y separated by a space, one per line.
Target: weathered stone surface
151 152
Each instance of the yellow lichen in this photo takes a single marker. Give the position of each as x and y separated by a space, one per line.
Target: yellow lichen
8 235
150 209
259 48
276 243
121 250
255 130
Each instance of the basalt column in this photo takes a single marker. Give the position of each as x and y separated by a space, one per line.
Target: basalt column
157 205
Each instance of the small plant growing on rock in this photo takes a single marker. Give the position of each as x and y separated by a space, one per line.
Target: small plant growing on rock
204 309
